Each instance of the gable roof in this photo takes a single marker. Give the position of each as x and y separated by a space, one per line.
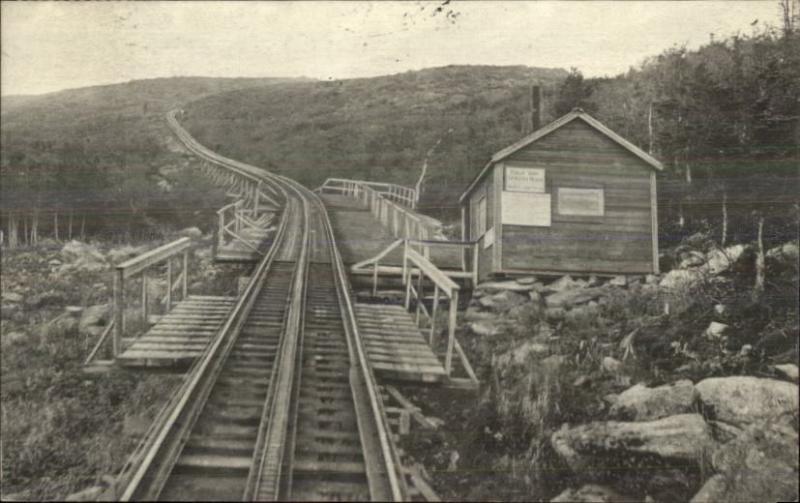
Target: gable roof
556 124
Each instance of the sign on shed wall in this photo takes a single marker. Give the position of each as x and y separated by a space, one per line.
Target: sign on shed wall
589 202
526 208
524 179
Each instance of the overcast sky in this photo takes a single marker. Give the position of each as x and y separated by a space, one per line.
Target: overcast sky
53 46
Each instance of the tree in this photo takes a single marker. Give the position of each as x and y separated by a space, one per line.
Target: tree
574 93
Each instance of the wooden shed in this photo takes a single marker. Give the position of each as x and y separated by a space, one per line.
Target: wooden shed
571 198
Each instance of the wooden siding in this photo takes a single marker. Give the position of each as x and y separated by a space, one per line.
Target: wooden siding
619 241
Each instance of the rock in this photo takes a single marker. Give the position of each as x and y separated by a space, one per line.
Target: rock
94 316
499 286
691 258
15 337
581 381
45 299
618 281
787 252
721 309
473 314
641 403
535 297
680 278
191 232
543 331
520 354
90 494
484 329
684 437
741 400
564 283
203 253
73 310
761 464
590 493
502 301
651 279
12 297
573 297
716 330
552 363
64 324
527 280
76 251
611 365
719 261
787 370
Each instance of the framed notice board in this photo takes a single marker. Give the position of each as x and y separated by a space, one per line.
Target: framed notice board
519 179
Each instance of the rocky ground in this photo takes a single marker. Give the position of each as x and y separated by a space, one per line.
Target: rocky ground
64 430
677 387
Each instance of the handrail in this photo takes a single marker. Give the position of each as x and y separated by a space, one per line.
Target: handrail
100 342
448 286
152 257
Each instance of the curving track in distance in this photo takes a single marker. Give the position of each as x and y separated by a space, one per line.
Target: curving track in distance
282 405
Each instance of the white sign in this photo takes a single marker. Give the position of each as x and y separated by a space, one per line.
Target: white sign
488 238
586 202
523 208
524 179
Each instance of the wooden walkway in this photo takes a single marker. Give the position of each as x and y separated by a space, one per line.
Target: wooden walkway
180 335
395 346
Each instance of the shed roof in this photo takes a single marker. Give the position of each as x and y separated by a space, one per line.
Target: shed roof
556 124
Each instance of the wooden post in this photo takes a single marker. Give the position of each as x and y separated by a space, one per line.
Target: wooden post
169 284
475 251
433 315
405 259
144 296
185 274
408 291
419 294
119 312
451 331
375 279
221 231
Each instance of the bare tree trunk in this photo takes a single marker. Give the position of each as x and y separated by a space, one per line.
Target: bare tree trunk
13 225
758 288
83 227
69 235
25 234
724 216
55 224
650 128
35 228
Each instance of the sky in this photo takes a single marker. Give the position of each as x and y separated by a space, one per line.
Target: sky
51 46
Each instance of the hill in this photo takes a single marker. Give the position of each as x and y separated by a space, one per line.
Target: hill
377 128
95 151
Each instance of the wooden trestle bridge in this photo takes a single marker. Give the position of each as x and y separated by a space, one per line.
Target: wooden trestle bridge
284 395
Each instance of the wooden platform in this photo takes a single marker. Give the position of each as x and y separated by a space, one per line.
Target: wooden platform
180 335
395 346
360 236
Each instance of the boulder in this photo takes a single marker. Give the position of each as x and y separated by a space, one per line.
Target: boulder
787 370
787 252
502 301
691 258
519 355
719 261
618 281
651 279
535 297
563 283
12 297
590 493
191 232
573 297
610 365
94 316
484 328
681 278
761 464
76 251
499 286
640 403
683 437
527 280
742 400
473 314
716 330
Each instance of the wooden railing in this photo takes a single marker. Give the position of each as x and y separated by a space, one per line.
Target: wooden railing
389 204
393 192
236 217
414 264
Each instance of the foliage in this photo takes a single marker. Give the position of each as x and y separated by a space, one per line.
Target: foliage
574 92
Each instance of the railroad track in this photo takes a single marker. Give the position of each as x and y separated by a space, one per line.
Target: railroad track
282 404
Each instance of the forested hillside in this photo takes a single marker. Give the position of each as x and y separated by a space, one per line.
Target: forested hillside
99 158
381 128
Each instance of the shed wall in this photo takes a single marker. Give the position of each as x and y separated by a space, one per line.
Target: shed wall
619 241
